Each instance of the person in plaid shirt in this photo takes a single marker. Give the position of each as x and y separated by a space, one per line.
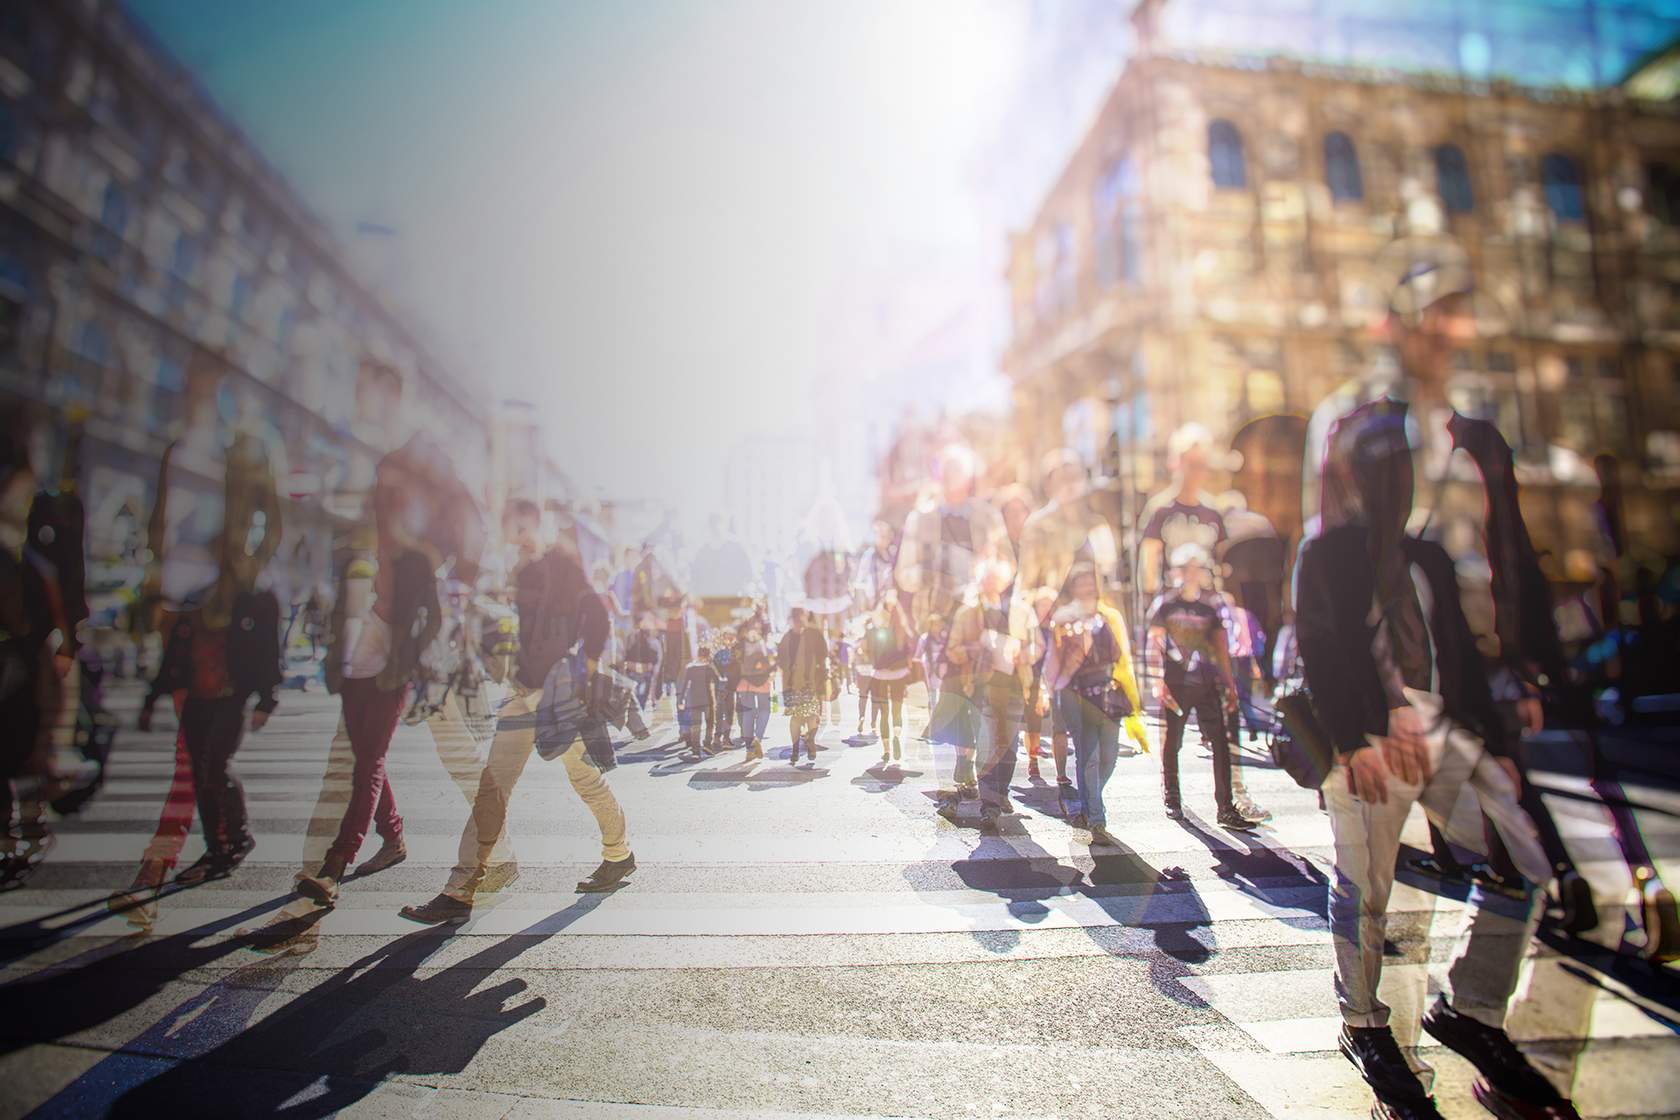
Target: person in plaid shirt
943 539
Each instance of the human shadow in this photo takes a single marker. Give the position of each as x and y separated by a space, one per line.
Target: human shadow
1136 894
883 777
1267 874
108 981
375 1018
756 777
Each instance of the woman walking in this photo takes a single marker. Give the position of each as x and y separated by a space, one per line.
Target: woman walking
889 645
1088 675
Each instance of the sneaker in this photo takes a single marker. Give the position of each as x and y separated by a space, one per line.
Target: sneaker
1377 1057
390 853
609 875
1247 807
1174 811
1100 835
1032 772
1235 821
1510 1086
968 791
440 911
1658 916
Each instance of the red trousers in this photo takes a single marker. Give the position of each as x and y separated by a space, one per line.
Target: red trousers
370 719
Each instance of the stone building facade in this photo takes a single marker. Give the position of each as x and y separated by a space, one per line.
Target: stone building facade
1214 251
154 271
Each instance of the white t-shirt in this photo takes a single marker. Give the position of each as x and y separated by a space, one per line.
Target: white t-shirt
367 644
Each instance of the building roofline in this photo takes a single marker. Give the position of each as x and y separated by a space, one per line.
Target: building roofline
1432 81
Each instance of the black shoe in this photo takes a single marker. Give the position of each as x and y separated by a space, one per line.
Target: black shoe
440 911
1235 821
1377 1057
211 865
1174 811
1578 913
1511 1086
608 876
1429 865
1488 879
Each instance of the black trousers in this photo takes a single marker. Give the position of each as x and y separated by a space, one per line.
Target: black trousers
1203 701
212 730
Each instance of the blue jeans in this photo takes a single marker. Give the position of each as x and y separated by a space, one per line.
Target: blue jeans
1095 740
754 709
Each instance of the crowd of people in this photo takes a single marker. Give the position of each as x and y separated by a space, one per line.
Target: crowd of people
1006 606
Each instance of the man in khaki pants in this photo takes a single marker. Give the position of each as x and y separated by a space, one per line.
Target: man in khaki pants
554 709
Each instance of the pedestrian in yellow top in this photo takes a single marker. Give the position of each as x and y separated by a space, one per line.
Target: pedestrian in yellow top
1090 677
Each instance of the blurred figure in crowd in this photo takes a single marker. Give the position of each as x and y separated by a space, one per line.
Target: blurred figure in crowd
1191 672
1088 673
1180 514
945 537
803 660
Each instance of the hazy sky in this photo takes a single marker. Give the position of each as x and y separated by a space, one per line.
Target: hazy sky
659 220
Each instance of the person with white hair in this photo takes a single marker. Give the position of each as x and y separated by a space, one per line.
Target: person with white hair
1181 514
1191 672
994 645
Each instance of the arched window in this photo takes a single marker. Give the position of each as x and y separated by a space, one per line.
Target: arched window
1560 177
1341 168
1227 166
1452 179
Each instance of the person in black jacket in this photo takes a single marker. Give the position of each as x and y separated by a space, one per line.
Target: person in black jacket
222 651
557 708
1399 687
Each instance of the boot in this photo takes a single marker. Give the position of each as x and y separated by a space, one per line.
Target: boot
390 853
323 885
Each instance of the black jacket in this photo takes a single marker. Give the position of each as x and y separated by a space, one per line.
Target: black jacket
253 650
558 610
1334 585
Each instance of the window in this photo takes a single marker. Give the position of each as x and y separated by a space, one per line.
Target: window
1225 156
1560 177
1341 168
1054 261
241 298
1119 221
1662 195
113 220
1452 179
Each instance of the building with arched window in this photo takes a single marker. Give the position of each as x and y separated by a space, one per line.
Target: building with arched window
1264 289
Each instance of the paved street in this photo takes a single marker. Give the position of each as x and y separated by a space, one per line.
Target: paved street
807 940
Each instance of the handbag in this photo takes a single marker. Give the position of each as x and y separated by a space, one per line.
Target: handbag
1299 744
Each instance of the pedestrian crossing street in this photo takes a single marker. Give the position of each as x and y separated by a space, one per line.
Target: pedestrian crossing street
804 939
